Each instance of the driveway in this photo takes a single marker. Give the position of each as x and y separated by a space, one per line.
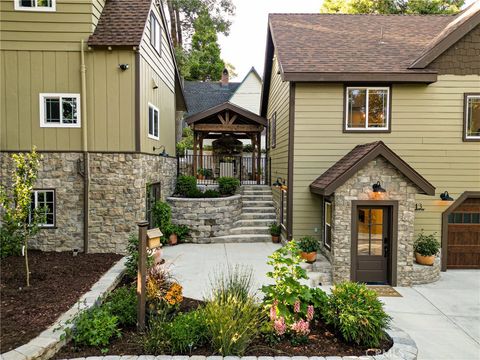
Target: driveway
443 318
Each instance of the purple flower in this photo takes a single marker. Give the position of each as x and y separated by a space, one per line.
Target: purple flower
280 326
310 312
301 327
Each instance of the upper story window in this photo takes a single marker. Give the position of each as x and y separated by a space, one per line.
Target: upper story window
273 127
472 117
35 5
44 199
155 33
153 122
367 108
60 110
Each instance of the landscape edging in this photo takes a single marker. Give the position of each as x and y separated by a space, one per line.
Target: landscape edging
47 344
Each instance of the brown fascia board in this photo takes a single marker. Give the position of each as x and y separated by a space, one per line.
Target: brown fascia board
365 77
442 45
267 73
226 106
380 150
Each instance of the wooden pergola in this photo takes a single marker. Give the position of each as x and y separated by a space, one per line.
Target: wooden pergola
231 119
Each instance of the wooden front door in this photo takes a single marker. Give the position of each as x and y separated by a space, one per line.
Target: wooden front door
373 244
464 236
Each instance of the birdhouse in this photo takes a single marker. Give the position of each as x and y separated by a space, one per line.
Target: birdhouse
153 238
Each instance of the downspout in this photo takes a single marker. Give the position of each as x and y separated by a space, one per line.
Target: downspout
86 158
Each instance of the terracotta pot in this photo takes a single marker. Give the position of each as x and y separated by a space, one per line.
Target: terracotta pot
172 239
275 239
309 256
424 260
200 177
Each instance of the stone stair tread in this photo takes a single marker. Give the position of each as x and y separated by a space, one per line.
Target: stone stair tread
241 238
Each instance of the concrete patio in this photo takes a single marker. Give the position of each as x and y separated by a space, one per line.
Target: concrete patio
443 318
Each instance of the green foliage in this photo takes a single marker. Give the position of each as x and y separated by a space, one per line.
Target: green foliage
162 215
122 303
10 242
426 245
392 6
208 173
180 230
154 340
95 327
16 206
132 258
308 244
228 185
211 194
186 332
275 229
187 135
357 314
185 185
236 282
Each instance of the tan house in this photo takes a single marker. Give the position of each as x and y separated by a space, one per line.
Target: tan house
95 87
375 134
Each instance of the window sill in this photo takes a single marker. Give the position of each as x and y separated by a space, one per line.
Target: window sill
18 8
153 137
48 227
367 131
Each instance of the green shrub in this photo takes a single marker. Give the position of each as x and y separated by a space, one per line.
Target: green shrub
95 327
211 194
181 231
162 214
275 229
154 340
122 303
232 324
228 185
185 184
10 243
426 245
236 282
357 314
308 244
193 193
132 258
186 332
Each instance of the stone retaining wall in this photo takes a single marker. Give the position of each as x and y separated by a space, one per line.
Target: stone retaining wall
426 274
206 218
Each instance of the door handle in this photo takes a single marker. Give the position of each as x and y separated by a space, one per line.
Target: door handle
385 247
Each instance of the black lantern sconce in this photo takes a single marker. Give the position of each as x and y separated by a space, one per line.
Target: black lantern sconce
278 182
163 153
445 196
377 188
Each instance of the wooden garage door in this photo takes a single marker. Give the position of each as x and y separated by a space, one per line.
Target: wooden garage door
464 236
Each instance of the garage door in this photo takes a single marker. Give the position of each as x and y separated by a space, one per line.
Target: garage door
464 236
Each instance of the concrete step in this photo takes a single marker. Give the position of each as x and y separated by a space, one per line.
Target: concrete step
241 239
259 209
254 192
255 222
258 216
319 278
255 187
260 203
258 197
250 230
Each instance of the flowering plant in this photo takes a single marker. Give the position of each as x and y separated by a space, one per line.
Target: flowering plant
162 288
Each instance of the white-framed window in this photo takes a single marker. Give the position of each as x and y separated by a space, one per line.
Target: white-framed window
367 108
60 110
327 215
35 5
472 117
155 33
153 122
45 199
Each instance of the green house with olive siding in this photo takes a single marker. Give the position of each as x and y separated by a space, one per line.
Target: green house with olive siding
94 86
360 100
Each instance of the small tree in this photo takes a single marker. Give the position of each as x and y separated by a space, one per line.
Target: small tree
18 219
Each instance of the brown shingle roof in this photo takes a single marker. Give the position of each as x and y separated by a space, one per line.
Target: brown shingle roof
121 24
347 166
329 43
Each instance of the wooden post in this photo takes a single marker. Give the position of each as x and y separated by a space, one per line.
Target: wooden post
259 157
254 171
195 154
201 150
141 274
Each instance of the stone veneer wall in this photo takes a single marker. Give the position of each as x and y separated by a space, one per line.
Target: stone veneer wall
426 274
206 218
359 187
117 196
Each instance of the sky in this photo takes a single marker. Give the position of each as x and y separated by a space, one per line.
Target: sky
245 46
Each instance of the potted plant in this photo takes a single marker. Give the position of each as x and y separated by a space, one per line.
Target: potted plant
426 247
275 231
308 248
201 174
176 233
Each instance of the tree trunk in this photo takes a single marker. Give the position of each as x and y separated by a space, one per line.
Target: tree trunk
27 269
179 28
173 22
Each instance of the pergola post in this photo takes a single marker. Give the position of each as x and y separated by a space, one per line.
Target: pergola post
254 147
259 156
201 150
195 153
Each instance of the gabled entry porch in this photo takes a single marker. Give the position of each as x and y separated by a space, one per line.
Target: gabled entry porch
226 126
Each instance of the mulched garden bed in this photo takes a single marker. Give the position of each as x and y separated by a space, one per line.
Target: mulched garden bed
322 343
57 281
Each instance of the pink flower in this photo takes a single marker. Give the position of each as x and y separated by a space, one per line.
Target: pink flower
273 311
301 327
296 307
310 312
280 326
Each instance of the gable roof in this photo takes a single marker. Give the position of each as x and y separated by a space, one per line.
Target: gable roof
346 167
202 95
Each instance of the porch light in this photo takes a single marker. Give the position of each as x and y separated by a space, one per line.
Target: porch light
278 182
445 196
377 188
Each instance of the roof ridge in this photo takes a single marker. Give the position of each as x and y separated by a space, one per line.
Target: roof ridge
369 14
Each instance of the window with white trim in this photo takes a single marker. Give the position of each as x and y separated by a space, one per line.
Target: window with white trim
155 33
60 110
367 108
327 214
153 122
472 117
43 199
35 5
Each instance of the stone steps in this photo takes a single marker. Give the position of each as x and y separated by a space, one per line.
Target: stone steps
255 203
258 216
253 192
319 273
257 197
247 238
250 230
255 221
255 209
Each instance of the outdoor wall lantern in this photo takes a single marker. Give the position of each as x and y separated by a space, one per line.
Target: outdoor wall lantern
163 153
278 182
377 188
445 196
123 67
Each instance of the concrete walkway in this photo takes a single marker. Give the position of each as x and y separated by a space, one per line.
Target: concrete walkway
443 318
